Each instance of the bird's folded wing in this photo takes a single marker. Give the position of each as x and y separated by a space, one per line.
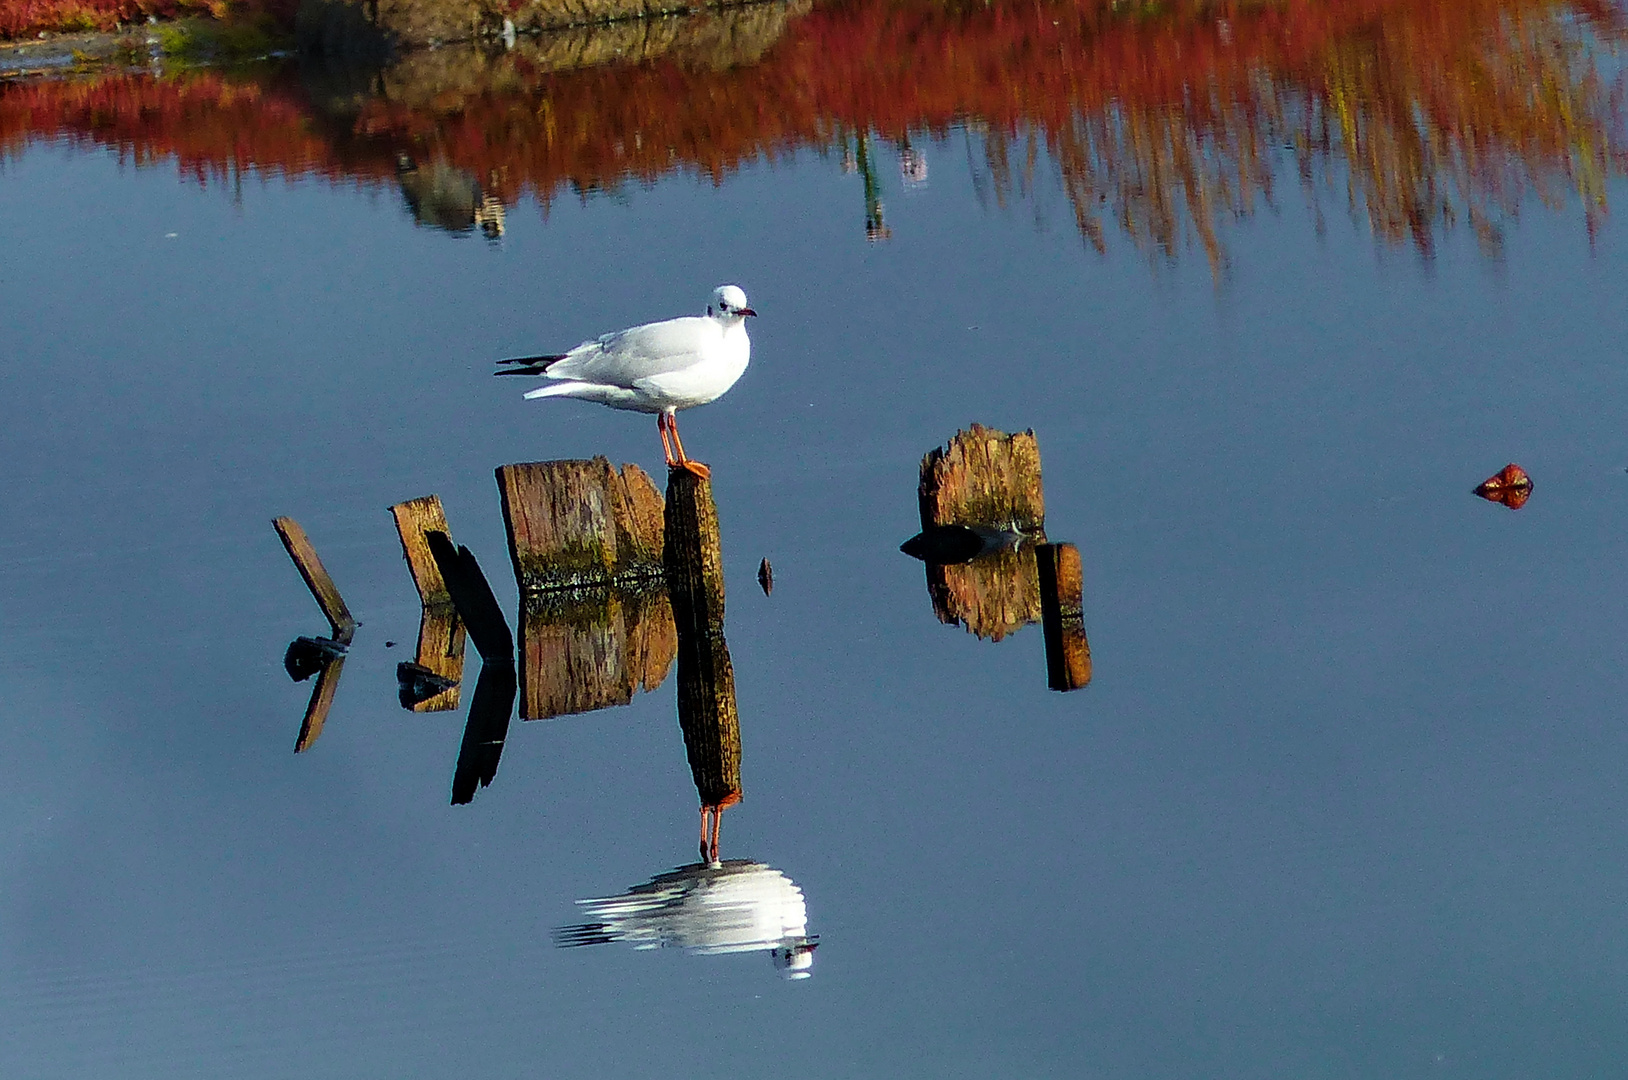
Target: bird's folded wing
627 356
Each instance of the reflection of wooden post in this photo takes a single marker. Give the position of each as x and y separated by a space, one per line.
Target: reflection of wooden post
472 596
587 649
586 543
706 678
440 633
987 479
1068 654
326 656
322 698
316 578
486 730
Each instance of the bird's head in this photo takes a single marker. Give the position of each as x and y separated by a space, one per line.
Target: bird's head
730 302
794 958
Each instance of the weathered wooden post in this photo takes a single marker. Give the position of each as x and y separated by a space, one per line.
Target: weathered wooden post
324 657
1062 616
586 543
986 485
706 678
440 633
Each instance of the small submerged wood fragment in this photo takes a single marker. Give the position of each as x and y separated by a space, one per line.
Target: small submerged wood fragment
417 684
316 578
1509 486
707 712
765 577
1062 616
440 631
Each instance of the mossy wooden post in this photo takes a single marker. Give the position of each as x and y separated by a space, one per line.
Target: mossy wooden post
986 478
440 632
1062 608
586 544
316 578
706 678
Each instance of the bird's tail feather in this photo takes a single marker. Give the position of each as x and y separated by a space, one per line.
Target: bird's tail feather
563 388
528 365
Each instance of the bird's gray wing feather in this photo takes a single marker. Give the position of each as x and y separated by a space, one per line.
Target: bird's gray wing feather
627 356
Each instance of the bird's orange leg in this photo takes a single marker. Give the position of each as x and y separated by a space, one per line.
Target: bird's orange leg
684 461
666 448
704 811
717 822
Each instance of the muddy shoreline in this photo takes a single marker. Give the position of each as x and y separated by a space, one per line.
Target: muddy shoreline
59 54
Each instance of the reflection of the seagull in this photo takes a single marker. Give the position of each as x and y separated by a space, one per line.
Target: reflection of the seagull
711 906
706 908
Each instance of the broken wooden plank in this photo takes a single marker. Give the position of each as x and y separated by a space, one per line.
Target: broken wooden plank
440 631
472 597
322 699
1068 653
316 578
706 677
415 519
575 524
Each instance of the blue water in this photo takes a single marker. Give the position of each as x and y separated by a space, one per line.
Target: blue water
1345 797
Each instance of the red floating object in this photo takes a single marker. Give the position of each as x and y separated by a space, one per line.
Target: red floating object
1511 486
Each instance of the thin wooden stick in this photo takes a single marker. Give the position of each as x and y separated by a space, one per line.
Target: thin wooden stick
316 578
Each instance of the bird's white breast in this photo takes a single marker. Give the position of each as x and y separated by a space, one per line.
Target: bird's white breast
723 360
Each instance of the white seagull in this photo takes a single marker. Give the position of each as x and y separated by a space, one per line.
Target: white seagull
660 367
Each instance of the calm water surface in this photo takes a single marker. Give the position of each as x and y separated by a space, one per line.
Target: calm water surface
1348 793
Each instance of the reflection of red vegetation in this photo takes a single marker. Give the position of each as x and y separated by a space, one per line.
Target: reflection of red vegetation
1441 109
207 121
1510 486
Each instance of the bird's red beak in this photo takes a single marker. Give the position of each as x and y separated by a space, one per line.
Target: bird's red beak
747 311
